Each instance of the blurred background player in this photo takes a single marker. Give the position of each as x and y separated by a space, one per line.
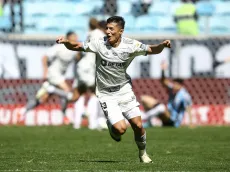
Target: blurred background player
179 102
55 63
88 105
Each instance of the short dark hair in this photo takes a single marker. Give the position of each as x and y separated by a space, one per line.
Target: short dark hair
69 33
117 19
102 24
93 23
178 80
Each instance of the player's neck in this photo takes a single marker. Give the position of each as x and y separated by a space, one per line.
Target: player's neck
117 43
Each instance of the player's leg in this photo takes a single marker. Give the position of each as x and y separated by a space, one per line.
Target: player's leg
61 88
41 97
131 111
148 102
154 109
115 120
135 121
79 110
92 109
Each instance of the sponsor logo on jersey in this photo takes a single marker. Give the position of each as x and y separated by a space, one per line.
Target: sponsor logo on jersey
111 64
143 46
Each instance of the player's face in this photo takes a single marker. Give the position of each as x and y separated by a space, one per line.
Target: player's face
72 38
113 32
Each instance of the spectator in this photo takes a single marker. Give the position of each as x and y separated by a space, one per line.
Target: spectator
1 8
141 7
109 7
186 18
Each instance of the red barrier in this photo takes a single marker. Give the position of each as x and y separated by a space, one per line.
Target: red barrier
51 115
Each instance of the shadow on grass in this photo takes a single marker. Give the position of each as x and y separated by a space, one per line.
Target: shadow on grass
101 161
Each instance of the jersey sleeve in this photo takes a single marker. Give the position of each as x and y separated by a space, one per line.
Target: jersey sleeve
52 52
90 45
139 48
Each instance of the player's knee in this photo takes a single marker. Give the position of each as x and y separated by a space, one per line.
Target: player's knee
120 129
138 125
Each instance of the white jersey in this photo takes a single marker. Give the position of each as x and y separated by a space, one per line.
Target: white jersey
60 58
111 63
86 66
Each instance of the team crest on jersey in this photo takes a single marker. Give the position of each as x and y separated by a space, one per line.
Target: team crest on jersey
114 53
124 54
143 46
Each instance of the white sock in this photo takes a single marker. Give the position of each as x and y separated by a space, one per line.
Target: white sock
79 110
156 111
141 144
93 109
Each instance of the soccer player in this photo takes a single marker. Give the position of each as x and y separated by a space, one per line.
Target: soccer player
55 64
114 53
88 104
178 103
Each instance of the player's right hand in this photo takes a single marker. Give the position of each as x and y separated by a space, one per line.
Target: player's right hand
61 40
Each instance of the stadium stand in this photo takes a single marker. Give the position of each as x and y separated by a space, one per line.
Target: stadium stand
34 11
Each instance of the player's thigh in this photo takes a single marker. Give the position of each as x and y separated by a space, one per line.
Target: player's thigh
111 110
134 117
64 86
148 102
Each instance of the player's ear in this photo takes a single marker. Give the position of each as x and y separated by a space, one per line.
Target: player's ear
121 31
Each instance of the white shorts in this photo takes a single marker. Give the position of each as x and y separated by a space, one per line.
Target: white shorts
118 107
55 79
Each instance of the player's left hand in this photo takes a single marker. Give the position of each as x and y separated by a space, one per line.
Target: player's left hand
61 40
167 43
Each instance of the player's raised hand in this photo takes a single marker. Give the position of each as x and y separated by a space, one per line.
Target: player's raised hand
61 40
167 43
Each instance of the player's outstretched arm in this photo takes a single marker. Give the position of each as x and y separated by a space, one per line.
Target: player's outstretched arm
75 46
156 49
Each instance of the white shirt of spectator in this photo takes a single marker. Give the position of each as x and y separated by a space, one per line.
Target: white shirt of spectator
111 63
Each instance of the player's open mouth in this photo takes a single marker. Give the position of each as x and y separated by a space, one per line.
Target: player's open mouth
109 37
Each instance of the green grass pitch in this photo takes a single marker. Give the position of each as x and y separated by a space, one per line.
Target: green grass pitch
66 149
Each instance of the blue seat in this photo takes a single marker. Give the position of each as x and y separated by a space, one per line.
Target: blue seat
83 8
36 8
159 8
5 22
222 8
77 22
60 8
146 23
167 24
205 8
203 24
219 25
129 22
6 9
124 7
